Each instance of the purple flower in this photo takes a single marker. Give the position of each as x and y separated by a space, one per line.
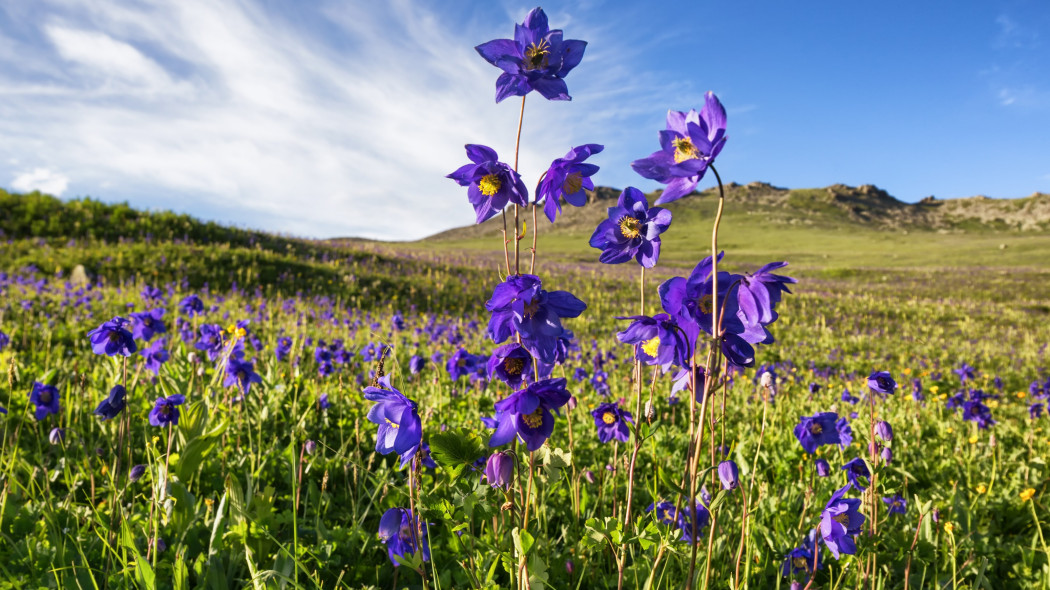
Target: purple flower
241 373
536 59
152 294
759 293
399 529
1035 411
965 372
839 522
666 513
729 475
400 429
112 339
511 363
887 455
137 472
165 410
820 429
113 404
975 411
845 433
323 402
804 558
688 146
491 183
896 504
4 340
881 382
148 323
45 398
823 469
210 340
685 522
284 346
526 413
461 363
855 470
657 340
612 422
916 390
416 364
884 430
56 436
520 305
191 305
156 355
632 230
499 470
568 178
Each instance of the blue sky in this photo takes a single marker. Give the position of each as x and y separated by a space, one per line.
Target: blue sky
339 118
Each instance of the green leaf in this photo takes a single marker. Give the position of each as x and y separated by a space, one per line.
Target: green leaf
456 449
523 541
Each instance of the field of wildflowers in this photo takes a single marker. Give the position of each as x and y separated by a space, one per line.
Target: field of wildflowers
269 420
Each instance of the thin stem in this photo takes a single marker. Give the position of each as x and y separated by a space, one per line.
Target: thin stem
517 150
506 242
743 539
535 227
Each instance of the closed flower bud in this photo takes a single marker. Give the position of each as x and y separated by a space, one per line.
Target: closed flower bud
137 472
823 469
936 516
887 455
310 446
796 585
499 470
572 402
884 430
729 474
589 476
56 436
569 566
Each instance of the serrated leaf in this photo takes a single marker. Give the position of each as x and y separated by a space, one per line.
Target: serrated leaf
455 450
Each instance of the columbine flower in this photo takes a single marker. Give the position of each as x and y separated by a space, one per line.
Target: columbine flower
113 404
536 59
896 504
688 146
45 398
491 183
156 355
323 403
511 363
801 559
148 323
818 430
284 346
845 433
666 512
881 382
823 469
839 522
685 522
191 305
527 413
759 293
612 422
241 373
965 372
855 470
400 429
112 339
165 410
658 340
568 178
461 363
975 411
416 364
884 430
499 470
399 529
521 305
632 230
56 436
729 475
137 472
211 340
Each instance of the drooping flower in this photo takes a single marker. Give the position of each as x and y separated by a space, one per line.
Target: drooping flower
840 521
491 184
632 230
759 293
148 323
537 58
499 470
855 470
511 363
688 146
568 178
399 529
526 413
817 430
45 398
166 410
191 305
113 404
729 475
612 422
156 355
400 429
896 504
240 373
521 305
882 382
111 338
805 557
823 469
56 436
884 430
657 340
416 364
845 433
137 472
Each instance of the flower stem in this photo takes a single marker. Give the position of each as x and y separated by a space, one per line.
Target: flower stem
517 150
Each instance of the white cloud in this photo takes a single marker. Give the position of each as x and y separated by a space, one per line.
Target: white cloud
41 179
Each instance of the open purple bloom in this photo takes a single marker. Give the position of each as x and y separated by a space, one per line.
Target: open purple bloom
152 294
400 429
491 184
511 363
975 411
840 521
805 557
845 433
685 522
166 410
462 363
691 301
284 346
113 404
818 430
156 355
191 305
111 338
882 382
537 58
210 340
612 422
499 470
688 146
526 413
896 504
658 340
823 469
45 398
240 373
632 230
666 513
965 372
567 179
148 323
855 470
399 529
520 305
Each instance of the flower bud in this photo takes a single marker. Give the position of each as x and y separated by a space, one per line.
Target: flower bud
137 472
589 476
705 496
569 566
572 403
887 455
884 430
729 474
56 436
823 469
310 446
499 470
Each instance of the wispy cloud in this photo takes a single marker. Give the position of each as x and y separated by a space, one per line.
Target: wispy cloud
41 179
339 120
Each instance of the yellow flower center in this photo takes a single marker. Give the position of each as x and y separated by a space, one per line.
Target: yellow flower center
630 227
651 346
609 418
573 183
513 366
534 419
684 150
489 184
800 562
706 303
842 519
392 425
537 56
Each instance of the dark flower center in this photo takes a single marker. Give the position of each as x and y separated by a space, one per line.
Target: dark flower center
609 418
573 183
165 411
537 56
706 303
114 336
45 397
532 307
241 376
630 227
489 184
800 562
816 428
883 382
406 533
684 150
148 322
534 419
513 366
842 519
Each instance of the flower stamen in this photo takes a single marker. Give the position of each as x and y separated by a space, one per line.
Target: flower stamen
489 184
